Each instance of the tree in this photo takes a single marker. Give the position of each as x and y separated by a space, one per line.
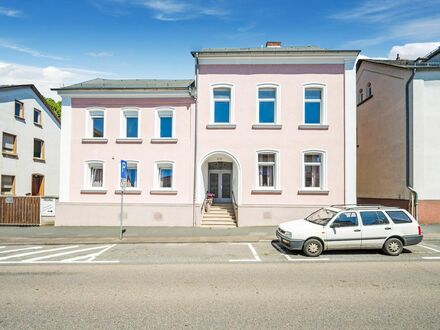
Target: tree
55 106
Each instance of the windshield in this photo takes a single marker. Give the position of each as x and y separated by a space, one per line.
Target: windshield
321 217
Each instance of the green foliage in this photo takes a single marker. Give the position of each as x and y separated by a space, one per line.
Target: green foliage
55 106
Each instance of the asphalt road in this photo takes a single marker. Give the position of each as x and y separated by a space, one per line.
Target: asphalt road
216 286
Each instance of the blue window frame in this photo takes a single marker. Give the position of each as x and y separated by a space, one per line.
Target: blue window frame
222 105
132 127
166 126
266 104
313 106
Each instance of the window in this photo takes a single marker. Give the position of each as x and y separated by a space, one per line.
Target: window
266 170
38 149
8 185
165 175
9 143
399 217
222 105
19 109
361 95
37 117
132 175
166 124
96 123
370 218
313 105
131 124
313 170
369 92
348 219
266 105
95 175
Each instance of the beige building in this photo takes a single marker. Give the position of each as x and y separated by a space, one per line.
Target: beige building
398 120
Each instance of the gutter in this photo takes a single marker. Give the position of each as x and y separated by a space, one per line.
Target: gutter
196 57
409 149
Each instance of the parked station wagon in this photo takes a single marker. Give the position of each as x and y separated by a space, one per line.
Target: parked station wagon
351 227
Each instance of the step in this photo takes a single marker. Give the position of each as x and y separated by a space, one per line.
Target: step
217 216
221 208
215 224
219 212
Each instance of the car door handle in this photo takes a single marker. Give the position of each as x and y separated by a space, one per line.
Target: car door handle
387 228
357 230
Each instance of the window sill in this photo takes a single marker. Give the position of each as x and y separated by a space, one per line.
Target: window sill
39 160
9 155
20 119
267 126
221 126
163 140
38 125
313 127
312 192
369 97
266 192
129 140
128 192
163 192
94 191
94 140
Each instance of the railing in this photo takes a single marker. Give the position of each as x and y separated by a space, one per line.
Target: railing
235 206
204 203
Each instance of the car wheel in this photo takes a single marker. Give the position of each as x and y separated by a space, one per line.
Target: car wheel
393 247
312 247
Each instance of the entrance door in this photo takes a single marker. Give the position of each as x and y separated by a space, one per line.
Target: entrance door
220 185
37 185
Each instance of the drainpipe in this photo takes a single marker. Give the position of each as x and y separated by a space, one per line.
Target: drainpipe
194 96
409 149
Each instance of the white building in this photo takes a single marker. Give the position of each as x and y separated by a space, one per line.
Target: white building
398 134
30 135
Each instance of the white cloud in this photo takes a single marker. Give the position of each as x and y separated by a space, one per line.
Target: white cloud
44 78
35 53
99 54
412 51
10 12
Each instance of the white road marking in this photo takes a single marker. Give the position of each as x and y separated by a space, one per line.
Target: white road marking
298 259
60 262
22 249
429 248
93 256
431 258
2 247
64 253
254 253
35 252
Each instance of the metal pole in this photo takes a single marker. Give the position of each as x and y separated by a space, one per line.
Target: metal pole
122 213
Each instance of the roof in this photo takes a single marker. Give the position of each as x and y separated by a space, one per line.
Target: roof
109 84
354 207
272 50
37 92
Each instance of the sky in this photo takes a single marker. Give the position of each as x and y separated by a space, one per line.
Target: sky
52 43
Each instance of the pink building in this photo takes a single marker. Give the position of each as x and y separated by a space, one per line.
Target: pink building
268 133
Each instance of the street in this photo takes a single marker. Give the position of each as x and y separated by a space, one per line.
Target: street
216 285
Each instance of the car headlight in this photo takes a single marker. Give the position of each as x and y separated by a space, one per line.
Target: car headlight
285 232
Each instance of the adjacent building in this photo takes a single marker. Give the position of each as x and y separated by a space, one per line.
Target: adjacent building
398 115
30 135
268 133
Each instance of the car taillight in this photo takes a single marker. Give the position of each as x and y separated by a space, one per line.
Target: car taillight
420 230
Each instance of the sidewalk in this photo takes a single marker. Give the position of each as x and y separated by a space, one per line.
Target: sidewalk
106 235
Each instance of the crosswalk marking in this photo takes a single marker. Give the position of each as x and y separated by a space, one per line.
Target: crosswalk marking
62 254
36 252
90 257
22 249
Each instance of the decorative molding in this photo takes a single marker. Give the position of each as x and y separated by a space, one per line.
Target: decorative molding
163 192
94 191
128 192
221 126
266 192
163 141
267 126
365 100
312 127
312 192
129 140
94 140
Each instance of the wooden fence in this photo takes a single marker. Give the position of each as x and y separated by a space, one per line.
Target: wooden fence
19 211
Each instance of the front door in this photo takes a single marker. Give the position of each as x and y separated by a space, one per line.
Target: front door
344 232
220 185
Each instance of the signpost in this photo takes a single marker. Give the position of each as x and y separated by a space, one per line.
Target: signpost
123 186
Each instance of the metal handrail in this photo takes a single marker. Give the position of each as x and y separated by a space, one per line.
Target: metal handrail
235 206
204 202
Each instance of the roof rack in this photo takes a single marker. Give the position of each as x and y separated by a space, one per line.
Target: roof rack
359 206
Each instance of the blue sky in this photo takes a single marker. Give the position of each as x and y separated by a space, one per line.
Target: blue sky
70 41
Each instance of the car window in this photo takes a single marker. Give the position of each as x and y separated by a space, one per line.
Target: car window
370 218
346 219
399 217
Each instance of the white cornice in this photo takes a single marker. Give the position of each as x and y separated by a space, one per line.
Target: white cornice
122 94
318 59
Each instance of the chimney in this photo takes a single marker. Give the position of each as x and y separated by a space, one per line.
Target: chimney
273 44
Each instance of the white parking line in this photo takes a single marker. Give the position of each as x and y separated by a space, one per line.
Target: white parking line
2 247
431 258
297 259
91 257
254 253
429 248
22 249
65 253
35 252
60 262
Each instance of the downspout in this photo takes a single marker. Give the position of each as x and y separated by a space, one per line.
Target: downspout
409 149
194 96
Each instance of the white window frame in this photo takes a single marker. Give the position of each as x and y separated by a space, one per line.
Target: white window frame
231 103
87 174
165 112
323 101
322 173
131 163
168 164
95 113
277 114
40 116
128 113
276 174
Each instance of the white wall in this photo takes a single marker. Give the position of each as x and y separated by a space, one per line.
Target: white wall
24 166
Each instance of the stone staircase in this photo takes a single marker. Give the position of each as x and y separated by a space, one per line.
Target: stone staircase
219 215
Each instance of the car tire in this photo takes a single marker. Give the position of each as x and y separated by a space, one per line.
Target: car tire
393 246
312 247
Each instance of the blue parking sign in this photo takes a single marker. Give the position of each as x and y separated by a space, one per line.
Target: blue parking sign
123 170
